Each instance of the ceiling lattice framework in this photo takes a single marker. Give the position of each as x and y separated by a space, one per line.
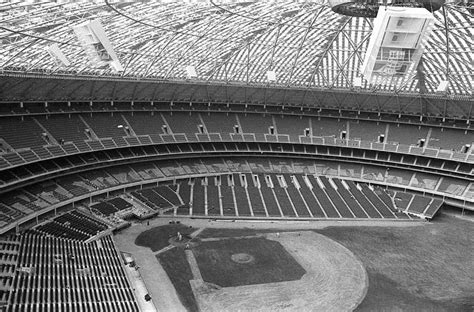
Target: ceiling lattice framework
304 42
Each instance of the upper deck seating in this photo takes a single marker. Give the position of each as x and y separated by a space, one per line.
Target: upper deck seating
21 132
450 139
219 122
122 126
106 125
366 130
255 123
406 134
182 122
144 123
64 128
328 127
292 126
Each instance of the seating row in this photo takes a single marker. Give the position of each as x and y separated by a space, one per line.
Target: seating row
74 225
55 273
12 176
17 204
65 134
287 196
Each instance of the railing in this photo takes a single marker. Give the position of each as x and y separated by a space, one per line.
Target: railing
456 200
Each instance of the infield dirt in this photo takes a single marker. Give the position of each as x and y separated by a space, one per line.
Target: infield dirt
335 280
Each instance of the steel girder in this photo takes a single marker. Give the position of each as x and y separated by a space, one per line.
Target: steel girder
305 43
83 89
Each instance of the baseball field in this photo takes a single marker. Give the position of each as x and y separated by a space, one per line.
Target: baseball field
319 267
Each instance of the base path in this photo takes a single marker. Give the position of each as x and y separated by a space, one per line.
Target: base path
160 288
335 280
193 264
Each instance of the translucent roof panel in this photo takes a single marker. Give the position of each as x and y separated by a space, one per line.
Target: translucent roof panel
305 43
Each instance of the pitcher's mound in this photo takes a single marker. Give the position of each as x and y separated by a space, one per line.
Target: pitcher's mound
242 258
334 279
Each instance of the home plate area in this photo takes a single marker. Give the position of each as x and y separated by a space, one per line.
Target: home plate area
297 271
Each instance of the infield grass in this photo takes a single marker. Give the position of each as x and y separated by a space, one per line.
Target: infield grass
272 263
428 267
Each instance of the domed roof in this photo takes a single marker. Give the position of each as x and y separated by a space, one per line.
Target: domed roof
304 43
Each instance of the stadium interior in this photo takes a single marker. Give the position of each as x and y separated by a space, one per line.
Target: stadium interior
117 114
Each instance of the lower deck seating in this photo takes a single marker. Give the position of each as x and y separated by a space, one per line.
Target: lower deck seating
104 208
286 196
403 200
241 201
425 206
271 195
111 206
159 197
9 246
153 199
433 208
198 198
63 275
168 193
61 230
119 203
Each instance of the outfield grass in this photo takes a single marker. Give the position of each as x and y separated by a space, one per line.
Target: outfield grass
426 267
272 262
157 238
421 268
175 264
